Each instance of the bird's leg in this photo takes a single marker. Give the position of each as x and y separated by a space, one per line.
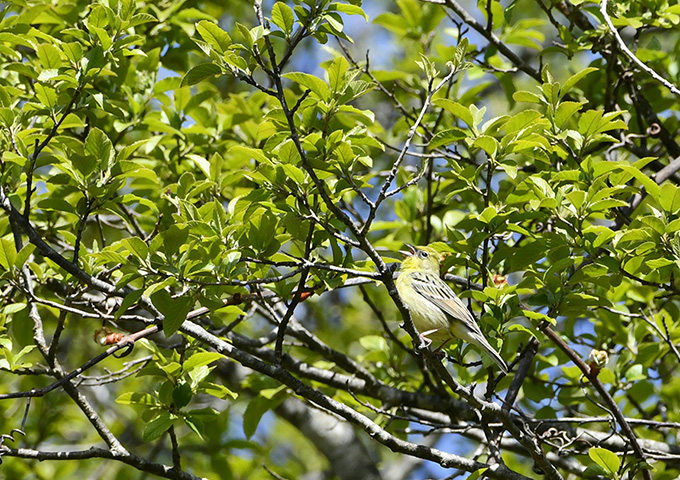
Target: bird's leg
441 347
427 341
438 352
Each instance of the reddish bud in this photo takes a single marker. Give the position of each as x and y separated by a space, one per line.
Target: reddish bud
106 336
304 295
596 360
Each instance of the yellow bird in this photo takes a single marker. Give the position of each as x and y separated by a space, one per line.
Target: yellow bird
437 312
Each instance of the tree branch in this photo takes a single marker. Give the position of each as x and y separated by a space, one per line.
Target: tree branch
624 48
604 394
279 373
94 452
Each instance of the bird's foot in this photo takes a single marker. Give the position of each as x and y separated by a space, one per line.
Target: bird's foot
427 343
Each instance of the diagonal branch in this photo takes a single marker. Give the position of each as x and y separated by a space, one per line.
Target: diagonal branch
395 167
279 373
631 55
577 17
49 252
125 342
609 401
662 175
490 36
39 147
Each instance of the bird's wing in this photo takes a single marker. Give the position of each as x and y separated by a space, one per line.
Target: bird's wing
438 292
434 289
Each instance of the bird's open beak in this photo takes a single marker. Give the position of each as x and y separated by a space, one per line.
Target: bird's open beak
411 251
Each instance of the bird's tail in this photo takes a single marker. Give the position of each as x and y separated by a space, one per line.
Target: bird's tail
477 338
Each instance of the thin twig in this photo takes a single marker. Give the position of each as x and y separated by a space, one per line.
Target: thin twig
39 147
125 342
176 457
664 336
81 229
395 166
297 298
490 36
631 55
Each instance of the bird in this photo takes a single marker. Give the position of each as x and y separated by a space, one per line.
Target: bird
437 312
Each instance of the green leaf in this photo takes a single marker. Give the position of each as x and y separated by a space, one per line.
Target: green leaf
12 308
603 233
510 168
250 153
458 110
158 426
669 197
523 119
99 17
294 173
174 237
200 359
593 122
659 262
336 74
24 254
136 246
8 254
182 395
367 117
315 84
99 146
447 137
137 398
49 56
650 185
393 22
574 79
197 419
7 117
673 226
254 411
174 310
288 153
539 317
565 110
373 343
216 390
576 197
46 95
605 459
103 37
129 300
524 96
141 18
593 470
427 66
522 328
489 144
349 9
214 36
199 73
161 285
282 17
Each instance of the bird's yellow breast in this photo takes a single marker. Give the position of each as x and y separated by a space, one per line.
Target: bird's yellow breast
426 315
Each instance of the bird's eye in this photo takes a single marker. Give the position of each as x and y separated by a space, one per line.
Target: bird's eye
423 254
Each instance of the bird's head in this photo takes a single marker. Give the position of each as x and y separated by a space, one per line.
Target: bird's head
420 258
